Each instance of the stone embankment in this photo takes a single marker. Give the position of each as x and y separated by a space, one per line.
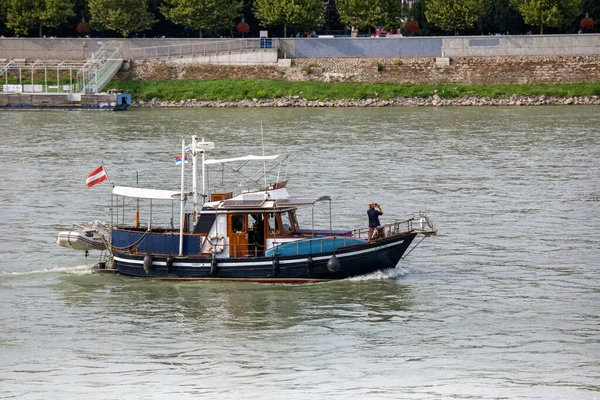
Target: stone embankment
432 101
405 70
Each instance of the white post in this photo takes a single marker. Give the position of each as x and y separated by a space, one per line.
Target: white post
194 175
202 147
182 197
203 177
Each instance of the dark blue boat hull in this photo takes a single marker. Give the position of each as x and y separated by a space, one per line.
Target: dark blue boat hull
351 261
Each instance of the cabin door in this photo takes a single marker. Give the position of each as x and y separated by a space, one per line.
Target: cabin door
237 230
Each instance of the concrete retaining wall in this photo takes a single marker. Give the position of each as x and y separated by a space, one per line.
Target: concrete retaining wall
361 47
521 45
448 46
451 46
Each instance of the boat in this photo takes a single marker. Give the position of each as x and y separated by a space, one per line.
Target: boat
248 233
85 237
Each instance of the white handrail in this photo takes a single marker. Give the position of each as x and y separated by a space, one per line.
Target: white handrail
200 48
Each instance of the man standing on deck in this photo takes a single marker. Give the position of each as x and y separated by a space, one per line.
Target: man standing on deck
373 212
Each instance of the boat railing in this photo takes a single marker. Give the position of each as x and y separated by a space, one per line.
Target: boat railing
386 230
324 243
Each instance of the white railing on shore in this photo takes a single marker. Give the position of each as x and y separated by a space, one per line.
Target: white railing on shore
39 76
197 49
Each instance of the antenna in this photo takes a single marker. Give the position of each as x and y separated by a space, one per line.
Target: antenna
262 136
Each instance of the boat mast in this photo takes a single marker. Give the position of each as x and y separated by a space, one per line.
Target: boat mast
182 198
203 177
194 176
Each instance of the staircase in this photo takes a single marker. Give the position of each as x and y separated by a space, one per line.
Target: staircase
101 68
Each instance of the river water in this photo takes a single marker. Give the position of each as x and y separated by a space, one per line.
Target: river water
503 304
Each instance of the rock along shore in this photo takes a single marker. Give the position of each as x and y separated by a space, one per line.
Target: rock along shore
431 101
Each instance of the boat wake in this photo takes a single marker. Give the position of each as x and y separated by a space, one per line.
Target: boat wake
77 270
381 275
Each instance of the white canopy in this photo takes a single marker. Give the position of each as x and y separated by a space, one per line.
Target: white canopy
245 158
141 193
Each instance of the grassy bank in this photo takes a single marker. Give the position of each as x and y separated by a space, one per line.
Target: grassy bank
240 89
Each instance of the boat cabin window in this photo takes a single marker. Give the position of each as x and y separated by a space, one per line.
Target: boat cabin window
294 220
286 222
283 223
273 223
237 223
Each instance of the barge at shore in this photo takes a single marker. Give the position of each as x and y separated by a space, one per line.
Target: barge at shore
65 101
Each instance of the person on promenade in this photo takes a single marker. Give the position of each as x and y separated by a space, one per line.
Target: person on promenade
373 212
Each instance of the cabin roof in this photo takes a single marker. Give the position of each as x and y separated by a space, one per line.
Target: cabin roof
244 158
300 201
142 193
270 204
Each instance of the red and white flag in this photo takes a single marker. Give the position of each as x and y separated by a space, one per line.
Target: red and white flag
98 175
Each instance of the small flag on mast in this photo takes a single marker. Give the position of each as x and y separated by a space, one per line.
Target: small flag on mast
178 160
96 176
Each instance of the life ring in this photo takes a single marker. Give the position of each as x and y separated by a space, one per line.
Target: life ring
218 245
216 249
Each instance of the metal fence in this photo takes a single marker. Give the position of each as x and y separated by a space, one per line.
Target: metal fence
202 48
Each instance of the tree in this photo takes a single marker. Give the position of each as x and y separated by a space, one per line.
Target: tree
22 15
2 15
417 14
550 13
123 16
454 15
361 14
590 9
202 14
500 17
392 13
301 14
